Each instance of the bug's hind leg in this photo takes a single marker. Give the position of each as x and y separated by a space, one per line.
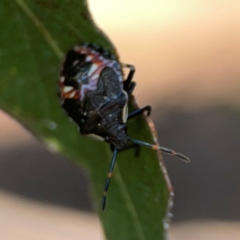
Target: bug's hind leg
114 157
163 149
128 84
137 112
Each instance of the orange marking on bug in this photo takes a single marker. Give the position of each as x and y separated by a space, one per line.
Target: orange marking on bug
110 175
155 147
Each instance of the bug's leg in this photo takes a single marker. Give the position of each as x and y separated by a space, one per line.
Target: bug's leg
163 149
131 88
128 85
130 74
137 112
114 157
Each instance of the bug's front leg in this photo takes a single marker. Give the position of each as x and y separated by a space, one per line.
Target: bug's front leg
128 84
139 111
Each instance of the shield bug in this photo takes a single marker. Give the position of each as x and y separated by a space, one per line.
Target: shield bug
95 95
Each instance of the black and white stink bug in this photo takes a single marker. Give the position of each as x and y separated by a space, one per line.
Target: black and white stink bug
95 95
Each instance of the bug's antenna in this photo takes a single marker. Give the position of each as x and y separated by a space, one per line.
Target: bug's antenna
164 149
114 157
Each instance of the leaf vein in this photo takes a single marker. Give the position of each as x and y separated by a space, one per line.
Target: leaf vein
53 44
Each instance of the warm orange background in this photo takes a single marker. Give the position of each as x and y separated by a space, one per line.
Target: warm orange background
187 48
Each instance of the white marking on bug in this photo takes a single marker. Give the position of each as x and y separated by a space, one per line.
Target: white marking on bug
62 78
67 89
93 68
72 94
125 111
84 113
89 58
110 115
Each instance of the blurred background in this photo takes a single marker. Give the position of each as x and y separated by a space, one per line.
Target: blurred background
186 54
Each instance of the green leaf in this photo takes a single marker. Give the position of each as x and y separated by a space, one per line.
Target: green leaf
35 35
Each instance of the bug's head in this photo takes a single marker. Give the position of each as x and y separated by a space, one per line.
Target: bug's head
117 136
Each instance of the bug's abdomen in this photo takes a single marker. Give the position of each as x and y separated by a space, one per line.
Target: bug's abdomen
81 71
91 89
